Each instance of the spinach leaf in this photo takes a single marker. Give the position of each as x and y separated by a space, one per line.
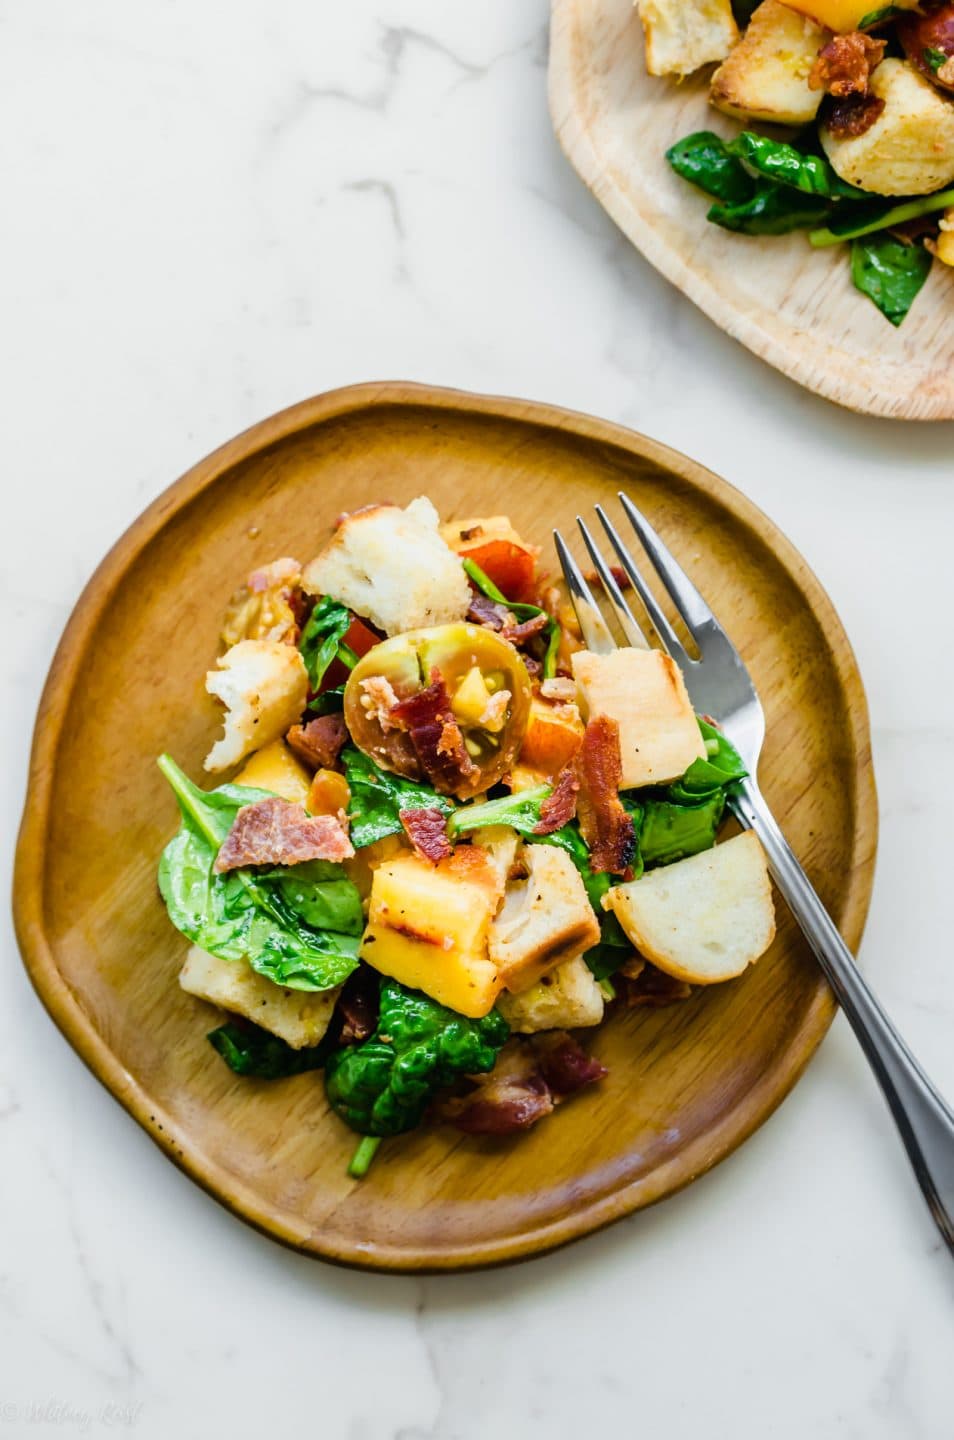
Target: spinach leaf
321 639
879 215
520 810
377 796
249 1050
704 160
890 273
934 59
772 210
551 633
254 916
723 767
671 831
383 1085
774 160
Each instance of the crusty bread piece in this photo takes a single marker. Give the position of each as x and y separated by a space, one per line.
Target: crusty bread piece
683 35
501 844
298 1017
391 567
766 75
263 685
544 919
909 150
644 692
565 998
703 919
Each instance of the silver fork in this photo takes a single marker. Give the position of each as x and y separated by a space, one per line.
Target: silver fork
720 685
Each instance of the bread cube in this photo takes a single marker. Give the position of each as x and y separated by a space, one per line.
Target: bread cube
766 75
683 35
263 685
909 150
564 999
391 567
544 920
428 927
703 919
644 692
298 1017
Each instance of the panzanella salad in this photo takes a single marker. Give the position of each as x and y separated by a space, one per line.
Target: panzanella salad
456 837
867 94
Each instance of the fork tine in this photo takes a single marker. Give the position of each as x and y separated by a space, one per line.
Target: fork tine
596 632
625 616
661 625
683 593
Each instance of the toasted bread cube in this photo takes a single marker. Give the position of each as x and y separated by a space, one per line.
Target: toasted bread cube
298 1017
544 919
428 927
263 685
766 75
909 150
644 692
703 919
276 768
683 35
391 567
566 998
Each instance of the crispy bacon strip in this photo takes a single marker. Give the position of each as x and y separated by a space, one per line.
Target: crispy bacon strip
640 983
427 831
319 742
528 1081
560 805
845 64
277 832
435 735
487 612
525 630
606 827
851 115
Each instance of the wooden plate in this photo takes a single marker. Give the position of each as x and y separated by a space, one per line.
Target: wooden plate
687 1083
794 306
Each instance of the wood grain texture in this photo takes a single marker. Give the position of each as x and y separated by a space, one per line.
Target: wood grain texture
687 1084
794 306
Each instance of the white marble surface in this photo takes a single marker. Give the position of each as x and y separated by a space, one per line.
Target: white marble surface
211 211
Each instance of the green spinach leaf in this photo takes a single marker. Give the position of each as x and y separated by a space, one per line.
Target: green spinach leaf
858 220
767 159
322 639
258 916
249 1050
889 272
377 797
703 159
772 210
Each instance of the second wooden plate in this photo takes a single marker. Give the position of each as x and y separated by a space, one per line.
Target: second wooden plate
686 1085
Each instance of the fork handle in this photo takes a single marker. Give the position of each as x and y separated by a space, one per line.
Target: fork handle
924 1119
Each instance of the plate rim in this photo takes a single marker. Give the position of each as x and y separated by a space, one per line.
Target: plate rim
30 861
873 394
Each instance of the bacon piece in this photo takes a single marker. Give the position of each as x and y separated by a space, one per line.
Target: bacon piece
606 827
560 689
640 983
487 612
851 115
560 805
564 1064
277 832
529 1080
525 630
320 741
427 831
379 701
436 736
844 65
622 579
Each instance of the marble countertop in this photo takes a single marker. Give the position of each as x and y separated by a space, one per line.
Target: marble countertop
211 212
